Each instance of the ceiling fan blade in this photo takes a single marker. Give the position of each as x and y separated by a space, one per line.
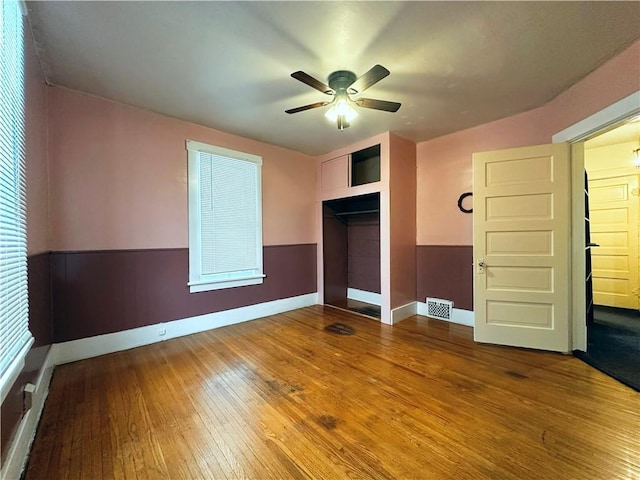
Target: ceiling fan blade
374 75
378 104
312 82
307 107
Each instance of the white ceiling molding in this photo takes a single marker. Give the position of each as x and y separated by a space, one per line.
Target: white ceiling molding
600 121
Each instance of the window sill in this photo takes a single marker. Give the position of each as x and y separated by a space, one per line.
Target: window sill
204 286
13 371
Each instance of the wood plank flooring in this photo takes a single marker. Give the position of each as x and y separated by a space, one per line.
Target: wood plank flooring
280 397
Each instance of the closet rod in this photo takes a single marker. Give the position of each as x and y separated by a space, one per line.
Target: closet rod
357 212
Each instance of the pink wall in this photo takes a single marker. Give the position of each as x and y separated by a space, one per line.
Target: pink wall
444 172
36 153
444 164
118 178
402 192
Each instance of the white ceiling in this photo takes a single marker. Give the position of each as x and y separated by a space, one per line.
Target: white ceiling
227 65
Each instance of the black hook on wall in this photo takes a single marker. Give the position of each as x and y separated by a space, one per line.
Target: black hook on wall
461 199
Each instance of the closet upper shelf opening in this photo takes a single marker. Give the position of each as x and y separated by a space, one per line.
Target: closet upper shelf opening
358 212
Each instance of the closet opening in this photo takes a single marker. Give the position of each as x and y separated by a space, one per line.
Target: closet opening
351 253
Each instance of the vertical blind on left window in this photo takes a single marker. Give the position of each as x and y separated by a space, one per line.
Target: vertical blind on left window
228 215
15 338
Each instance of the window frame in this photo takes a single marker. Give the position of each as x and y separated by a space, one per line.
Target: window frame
199 282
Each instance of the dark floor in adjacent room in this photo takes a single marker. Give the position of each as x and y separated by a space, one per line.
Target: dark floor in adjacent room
614 344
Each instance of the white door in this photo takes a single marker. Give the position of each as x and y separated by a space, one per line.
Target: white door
613 211
522 247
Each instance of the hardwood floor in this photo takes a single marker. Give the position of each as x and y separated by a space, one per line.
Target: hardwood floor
282 398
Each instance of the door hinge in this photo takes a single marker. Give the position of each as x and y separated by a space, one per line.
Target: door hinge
636 292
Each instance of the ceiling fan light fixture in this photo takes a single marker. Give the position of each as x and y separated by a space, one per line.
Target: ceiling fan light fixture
341 109
342 122
343 83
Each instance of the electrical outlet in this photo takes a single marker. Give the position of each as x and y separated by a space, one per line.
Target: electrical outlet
162 331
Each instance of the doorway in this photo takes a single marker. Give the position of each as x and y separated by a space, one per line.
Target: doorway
613 329
351 259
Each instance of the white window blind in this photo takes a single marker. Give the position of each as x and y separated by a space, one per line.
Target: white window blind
225 218
15 338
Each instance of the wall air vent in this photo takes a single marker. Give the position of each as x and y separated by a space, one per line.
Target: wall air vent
438 308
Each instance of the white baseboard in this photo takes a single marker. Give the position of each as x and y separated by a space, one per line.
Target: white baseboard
462 317
364 296
18 453
114 342
405 311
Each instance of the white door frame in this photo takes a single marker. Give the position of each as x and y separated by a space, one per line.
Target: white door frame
576 134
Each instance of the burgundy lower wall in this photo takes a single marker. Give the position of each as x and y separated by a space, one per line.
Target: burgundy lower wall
40 320
41 326
98 292
363 232
335 259
446 271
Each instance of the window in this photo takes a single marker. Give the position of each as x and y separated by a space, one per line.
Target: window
225 218
15 339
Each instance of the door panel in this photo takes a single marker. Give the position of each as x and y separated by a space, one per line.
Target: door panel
532 279
522 247
613 208
519 314
519 243
520 207
334 174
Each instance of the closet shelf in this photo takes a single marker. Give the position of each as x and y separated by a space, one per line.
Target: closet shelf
357 212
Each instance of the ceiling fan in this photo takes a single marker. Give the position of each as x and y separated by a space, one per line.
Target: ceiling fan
342 84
